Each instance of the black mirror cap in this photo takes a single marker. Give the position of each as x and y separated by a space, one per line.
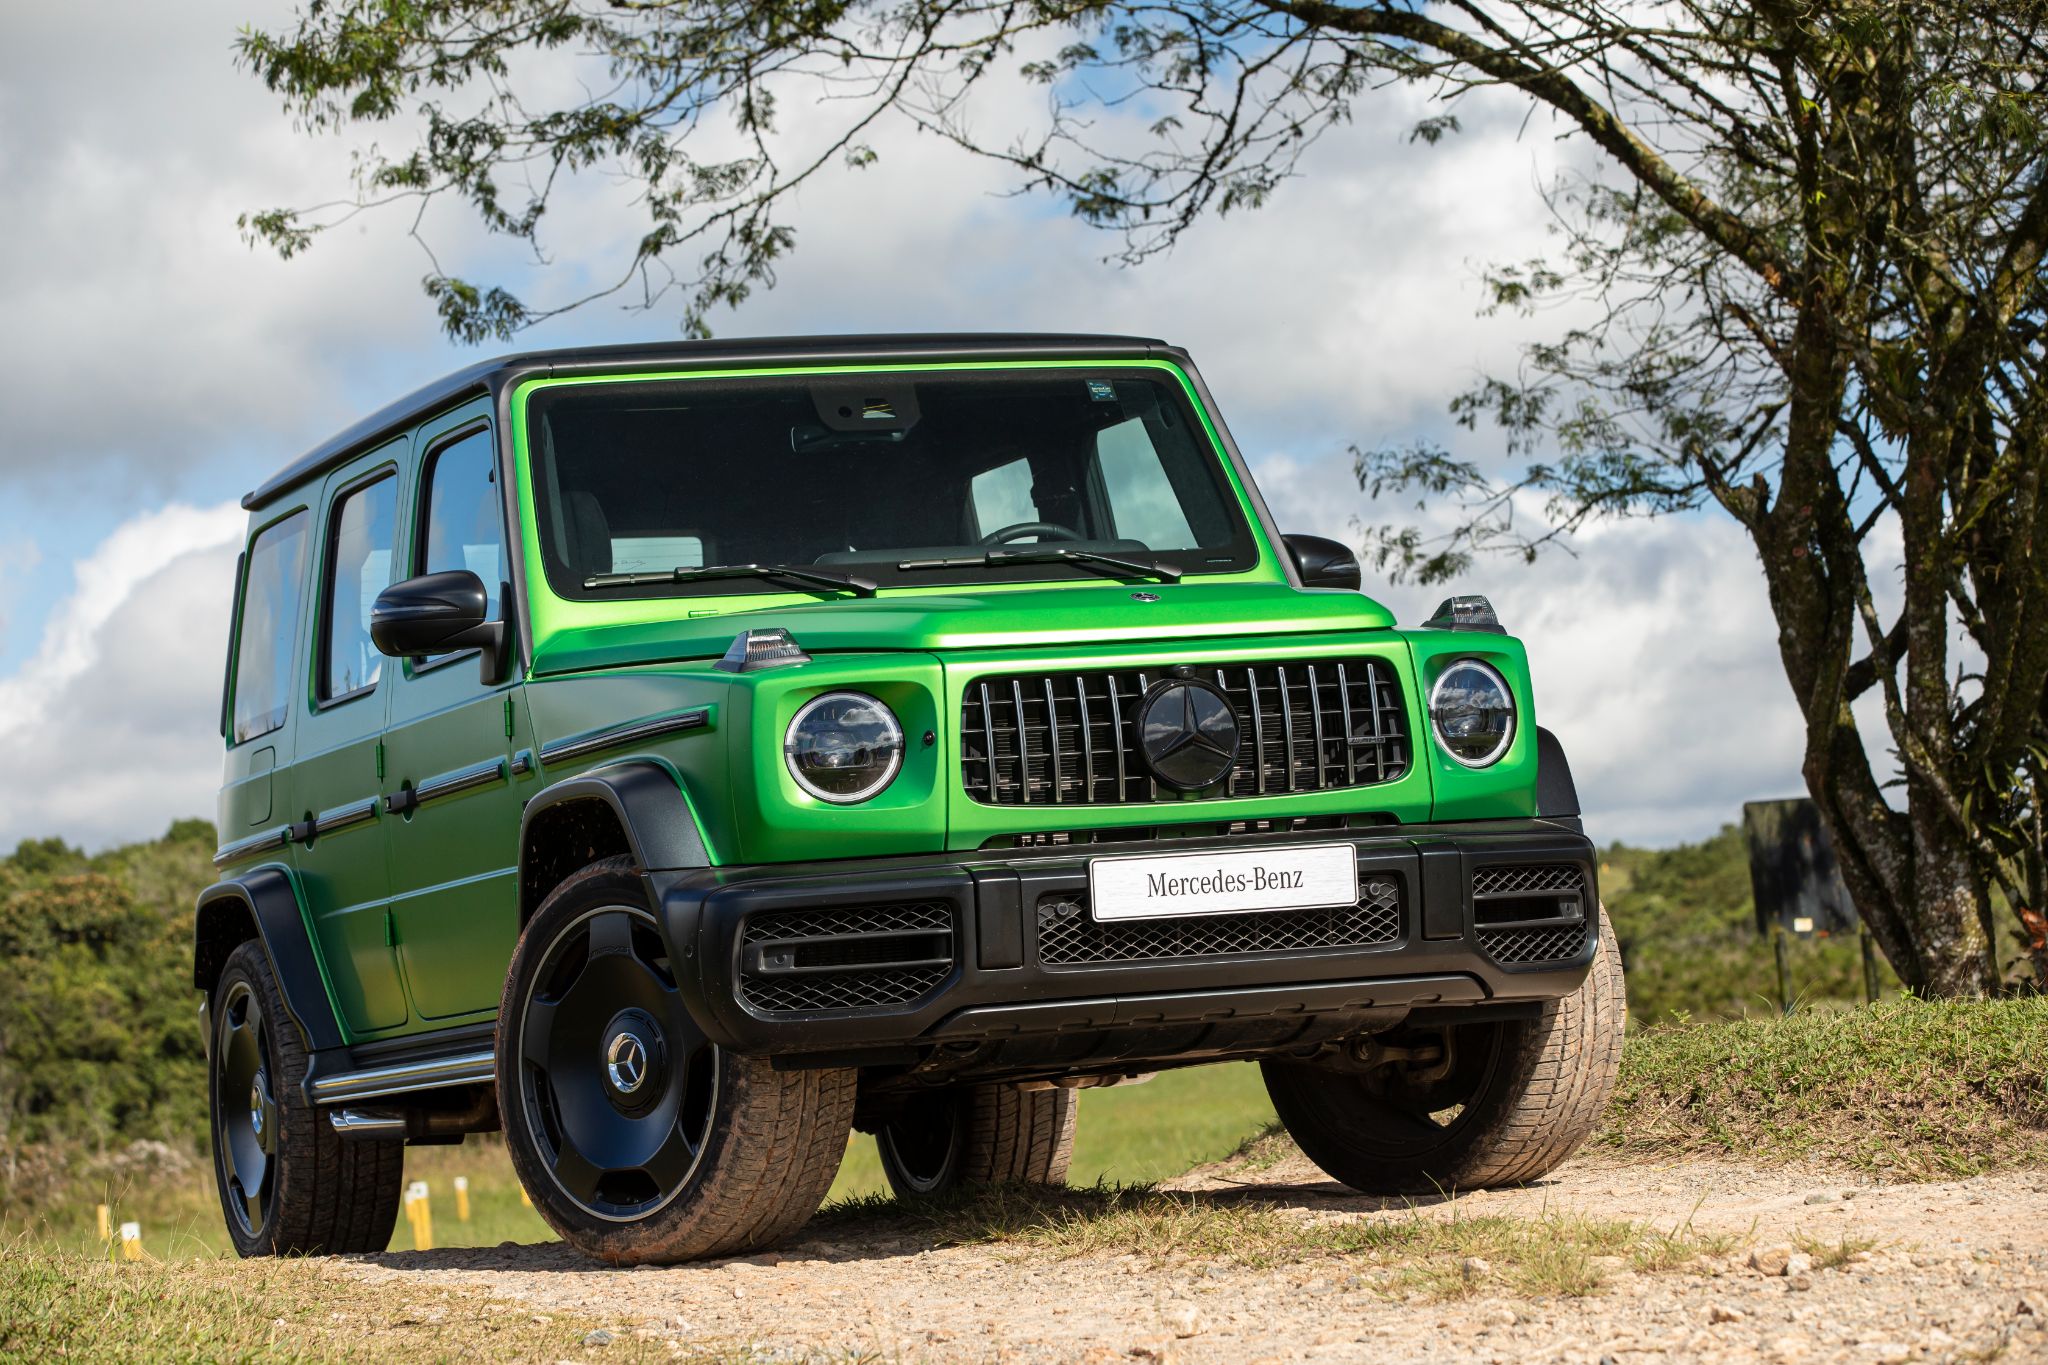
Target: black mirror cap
432 614
1325 563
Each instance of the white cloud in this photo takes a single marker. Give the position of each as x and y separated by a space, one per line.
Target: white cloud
110 726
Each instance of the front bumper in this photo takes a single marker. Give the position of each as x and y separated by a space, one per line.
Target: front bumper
988 962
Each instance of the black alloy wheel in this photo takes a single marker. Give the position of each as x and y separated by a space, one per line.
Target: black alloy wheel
245 1111
618 1086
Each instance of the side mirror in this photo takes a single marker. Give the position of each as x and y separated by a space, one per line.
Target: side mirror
438 613
1324 563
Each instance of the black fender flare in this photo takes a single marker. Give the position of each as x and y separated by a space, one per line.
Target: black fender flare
264 904
1557 796
647 801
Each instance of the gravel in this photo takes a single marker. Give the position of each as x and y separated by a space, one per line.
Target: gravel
1943 1272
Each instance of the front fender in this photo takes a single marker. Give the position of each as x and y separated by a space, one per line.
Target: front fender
637 807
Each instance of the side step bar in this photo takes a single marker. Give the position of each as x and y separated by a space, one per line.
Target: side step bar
467 1068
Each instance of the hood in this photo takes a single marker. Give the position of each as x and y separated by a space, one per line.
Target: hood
1069 614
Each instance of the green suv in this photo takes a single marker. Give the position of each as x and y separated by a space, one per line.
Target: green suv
681 756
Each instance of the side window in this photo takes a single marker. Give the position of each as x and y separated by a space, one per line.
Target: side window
1141 497
1002 496
463 528
361 532
270 626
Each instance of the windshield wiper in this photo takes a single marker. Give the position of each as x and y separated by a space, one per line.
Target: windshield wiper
814 578
1052 554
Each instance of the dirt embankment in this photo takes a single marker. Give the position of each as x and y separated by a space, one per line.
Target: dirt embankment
1266 1260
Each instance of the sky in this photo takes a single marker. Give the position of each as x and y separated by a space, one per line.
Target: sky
153 368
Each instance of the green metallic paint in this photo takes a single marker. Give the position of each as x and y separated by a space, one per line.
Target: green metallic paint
1507 788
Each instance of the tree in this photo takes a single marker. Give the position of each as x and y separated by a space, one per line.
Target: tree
1814 253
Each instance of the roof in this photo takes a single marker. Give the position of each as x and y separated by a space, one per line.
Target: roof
492 376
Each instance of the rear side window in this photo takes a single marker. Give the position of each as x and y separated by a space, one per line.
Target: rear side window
463 529
270 625
360 537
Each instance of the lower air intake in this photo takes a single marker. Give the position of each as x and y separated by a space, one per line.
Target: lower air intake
1068 937
856 957
1531 914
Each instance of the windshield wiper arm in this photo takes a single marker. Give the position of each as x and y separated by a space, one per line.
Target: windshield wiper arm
814 578
1052 554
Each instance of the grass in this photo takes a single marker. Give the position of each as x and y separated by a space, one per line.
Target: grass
1905 1089
56 1304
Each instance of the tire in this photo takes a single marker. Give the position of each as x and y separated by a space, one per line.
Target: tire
685 1153
1521 1096
978 1135
289 1184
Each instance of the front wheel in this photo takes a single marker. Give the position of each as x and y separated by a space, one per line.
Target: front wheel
1510 1101
638 1140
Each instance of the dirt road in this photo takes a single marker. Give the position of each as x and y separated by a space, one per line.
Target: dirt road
1768 1265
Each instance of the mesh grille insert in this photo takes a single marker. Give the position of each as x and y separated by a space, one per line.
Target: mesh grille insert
1512 947
1067 936
1544 892
854 957
1072 738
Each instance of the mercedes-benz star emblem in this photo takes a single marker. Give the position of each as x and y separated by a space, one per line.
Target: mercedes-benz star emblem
626 1063
1188 734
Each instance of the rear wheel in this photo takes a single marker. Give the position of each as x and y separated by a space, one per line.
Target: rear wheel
639 1140
289 1185
1510 1101
978 1135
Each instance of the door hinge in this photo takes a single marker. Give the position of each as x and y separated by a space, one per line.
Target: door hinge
380 760
390 929
508 715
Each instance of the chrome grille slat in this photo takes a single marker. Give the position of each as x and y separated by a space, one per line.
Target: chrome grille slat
1306 725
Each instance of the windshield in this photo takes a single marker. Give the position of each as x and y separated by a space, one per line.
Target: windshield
932 478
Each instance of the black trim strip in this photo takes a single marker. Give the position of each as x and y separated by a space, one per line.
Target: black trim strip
255 843
461 780
345 817
618 736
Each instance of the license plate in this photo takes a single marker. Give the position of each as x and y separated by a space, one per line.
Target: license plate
1146 886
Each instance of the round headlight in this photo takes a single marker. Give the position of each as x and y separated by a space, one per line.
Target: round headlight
843 747
1473 713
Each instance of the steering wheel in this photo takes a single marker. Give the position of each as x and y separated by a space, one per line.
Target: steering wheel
1043 530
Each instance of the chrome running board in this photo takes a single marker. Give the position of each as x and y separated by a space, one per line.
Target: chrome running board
467 1068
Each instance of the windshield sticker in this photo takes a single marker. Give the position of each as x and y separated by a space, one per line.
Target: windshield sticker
1101 391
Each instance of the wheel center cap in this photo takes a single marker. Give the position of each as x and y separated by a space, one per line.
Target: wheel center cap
625 1062
256 1104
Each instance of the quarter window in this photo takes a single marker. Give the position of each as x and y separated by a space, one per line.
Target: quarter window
270 627
463 528
361 534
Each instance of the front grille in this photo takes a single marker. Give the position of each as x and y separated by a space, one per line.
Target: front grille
1531 913
845 957
1068 936
1304 725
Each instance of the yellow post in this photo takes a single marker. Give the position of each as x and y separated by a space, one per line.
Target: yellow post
462 1198
524 1197
131 1241
106 1223
421 1212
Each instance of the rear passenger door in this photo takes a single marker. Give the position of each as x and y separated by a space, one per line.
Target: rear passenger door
343 867
449 747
